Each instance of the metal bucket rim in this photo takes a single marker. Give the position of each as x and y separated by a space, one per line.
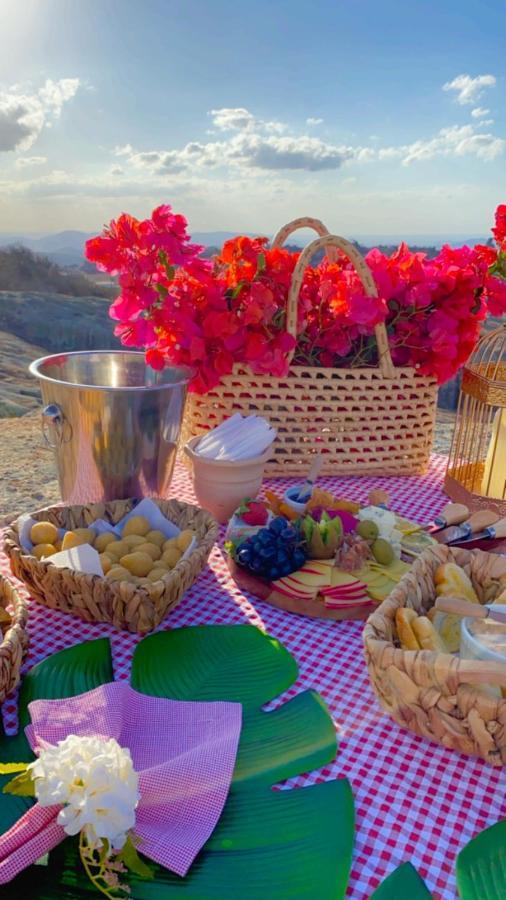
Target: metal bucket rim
34 369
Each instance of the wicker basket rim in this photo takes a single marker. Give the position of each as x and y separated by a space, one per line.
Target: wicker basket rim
376 644
12 542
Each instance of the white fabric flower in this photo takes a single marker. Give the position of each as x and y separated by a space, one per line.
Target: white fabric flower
95 782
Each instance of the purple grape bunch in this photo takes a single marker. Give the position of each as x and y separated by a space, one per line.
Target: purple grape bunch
274 551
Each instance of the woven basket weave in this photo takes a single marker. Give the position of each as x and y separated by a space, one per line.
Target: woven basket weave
363 420
94 599
15 640
437 695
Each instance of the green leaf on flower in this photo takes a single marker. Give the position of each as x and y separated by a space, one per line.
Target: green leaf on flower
161 289
129 856
21 786
260 263
11 768
169 269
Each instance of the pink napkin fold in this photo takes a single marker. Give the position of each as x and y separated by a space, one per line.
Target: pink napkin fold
184 753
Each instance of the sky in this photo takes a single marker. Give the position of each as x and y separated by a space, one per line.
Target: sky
382 118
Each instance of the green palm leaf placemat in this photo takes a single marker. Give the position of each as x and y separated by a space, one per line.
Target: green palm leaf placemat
403 884
481 865
268 844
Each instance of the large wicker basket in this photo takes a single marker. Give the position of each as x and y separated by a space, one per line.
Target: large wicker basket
438 695
15 640
363 420
95 599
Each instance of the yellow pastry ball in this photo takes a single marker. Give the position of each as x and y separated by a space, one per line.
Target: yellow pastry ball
141 582
134 540
171 556
136 525
41 551
117 549
107 562
118 573
102 540
168 545
77 537
151 549
157 574
43 533
184 539
137 563
156 537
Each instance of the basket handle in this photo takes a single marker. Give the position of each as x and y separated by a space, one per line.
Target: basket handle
386 365
304 222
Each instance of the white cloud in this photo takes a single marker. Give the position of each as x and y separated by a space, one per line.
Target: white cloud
24 162
479 112
55 93
313 121
23 115
231 119
469 89
456 141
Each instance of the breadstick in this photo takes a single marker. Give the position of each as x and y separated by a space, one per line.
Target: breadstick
426 635
404 619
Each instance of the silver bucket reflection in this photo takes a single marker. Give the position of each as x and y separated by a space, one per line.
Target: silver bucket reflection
112 421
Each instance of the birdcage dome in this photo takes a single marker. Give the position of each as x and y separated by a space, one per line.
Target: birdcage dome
476 472
488 359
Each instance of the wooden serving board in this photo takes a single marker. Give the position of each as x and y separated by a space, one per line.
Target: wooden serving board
313 608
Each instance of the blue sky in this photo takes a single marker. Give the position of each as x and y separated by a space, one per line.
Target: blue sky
379 117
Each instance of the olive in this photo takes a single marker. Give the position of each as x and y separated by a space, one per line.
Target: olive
368 530
383 552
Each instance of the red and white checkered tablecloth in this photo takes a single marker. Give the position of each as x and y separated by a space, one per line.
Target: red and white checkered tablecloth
414 800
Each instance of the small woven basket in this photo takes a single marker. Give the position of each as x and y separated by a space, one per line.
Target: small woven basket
362 420
95 599
437 695
15 640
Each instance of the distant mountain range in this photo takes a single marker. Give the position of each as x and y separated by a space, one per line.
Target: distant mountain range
66 247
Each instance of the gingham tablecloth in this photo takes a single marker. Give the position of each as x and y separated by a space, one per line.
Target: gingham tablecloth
414 800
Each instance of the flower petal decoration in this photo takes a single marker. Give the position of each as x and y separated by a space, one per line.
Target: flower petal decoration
273 844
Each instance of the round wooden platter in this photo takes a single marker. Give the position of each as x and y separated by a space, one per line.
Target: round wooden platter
314 608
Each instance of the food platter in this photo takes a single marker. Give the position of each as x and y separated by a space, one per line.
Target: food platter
312 606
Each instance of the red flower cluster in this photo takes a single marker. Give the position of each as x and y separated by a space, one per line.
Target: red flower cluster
213 314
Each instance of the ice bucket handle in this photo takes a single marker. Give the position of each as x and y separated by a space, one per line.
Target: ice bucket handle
55 427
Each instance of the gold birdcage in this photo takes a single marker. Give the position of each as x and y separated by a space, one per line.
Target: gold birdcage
476 472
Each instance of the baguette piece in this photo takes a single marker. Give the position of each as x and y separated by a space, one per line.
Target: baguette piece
451 579
404 619
427 636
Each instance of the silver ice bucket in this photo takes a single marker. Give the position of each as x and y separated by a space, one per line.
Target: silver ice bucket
112 421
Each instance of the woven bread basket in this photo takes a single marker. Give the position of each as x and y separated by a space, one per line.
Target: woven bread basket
95 599
15 640
438 695
362 420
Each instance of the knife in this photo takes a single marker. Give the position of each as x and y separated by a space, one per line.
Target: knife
458 607
475 524
494 532
451 514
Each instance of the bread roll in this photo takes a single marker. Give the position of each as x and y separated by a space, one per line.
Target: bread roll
450 579
427 636
404 619
43 533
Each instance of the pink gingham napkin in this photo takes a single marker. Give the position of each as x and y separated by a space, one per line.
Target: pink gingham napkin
184 754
